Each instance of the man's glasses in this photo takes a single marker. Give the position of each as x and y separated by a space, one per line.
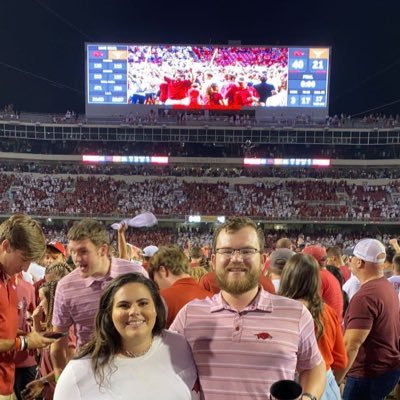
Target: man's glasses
246 252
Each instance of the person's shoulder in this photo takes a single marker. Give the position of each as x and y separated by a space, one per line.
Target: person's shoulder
329 312
80 364
175 342
119 264
172 337
351 282
79 370
198 306
73 276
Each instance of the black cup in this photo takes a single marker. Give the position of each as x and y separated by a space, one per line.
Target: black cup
285 390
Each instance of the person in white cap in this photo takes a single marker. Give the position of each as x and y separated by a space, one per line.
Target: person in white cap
372 328
148 252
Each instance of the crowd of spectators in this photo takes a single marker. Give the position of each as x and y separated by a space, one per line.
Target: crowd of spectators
201 235
289 200
9 113
378 119
70 168
212 117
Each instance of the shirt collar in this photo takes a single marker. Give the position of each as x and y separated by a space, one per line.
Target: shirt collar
89 281
262 302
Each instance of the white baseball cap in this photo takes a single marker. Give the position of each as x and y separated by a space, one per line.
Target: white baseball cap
149 251
370 250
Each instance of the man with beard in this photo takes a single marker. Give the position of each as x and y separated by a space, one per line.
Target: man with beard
243 338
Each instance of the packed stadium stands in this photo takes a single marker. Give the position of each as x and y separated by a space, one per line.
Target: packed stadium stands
58 185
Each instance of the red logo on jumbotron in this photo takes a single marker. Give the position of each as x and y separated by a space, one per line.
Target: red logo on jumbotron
97 54
298 53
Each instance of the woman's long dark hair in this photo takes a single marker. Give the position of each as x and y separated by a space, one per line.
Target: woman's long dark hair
300 280
106 342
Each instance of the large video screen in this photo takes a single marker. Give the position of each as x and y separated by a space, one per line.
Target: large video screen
210 77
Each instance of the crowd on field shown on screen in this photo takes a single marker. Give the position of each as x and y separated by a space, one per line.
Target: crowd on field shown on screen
212 76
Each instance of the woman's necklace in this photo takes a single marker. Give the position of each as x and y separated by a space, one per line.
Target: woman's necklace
131 354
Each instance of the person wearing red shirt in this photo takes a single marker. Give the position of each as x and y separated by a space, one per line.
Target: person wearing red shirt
21 241
244 95
194 96
177 87
214 97
300 281
25 361
334 257
169 268
331 291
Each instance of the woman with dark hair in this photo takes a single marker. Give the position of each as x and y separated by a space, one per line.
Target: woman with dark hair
130 354
300 280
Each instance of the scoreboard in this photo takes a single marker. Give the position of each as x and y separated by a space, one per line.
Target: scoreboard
125 74
107 74
308 77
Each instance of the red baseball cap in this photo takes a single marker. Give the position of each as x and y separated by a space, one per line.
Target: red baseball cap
318 252
58 246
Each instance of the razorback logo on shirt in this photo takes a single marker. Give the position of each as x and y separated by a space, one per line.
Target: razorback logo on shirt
263 335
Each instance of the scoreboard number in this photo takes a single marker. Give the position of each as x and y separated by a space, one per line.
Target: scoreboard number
317 64
298 64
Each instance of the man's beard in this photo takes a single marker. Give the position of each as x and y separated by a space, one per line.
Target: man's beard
237 286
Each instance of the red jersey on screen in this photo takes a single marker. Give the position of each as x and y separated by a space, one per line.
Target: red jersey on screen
177 88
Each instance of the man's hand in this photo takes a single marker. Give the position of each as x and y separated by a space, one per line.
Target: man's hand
122 229
33 389
37 341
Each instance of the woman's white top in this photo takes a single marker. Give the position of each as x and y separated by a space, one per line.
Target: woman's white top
166 372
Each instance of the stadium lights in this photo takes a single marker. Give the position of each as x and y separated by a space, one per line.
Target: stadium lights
126 159
288 162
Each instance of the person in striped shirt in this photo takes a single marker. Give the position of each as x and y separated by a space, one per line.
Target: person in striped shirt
78 294
243 338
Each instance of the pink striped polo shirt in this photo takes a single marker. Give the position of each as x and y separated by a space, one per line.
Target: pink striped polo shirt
77 299
240 355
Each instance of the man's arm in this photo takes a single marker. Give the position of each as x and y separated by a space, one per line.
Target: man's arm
122 242
7 345
34 340
395 245
353 339
313 380
58 352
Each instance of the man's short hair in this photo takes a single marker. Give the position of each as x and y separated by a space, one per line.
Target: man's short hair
235 224
334 251
396 262
170 257
195 252
24 234
284 243
90 229
390 253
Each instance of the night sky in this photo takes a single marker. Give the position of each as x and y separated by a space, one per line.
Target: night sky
42 42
